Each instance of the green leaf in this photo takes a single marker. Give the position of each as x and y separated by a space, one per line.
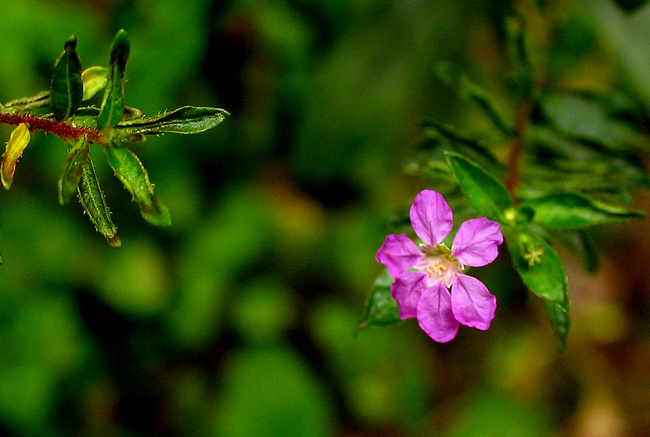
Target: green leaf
72 171
453 76
92 199
27 104
66 90
630 5
523 71
462 143
580 242
18 141
558 314
112 108
574 211
592 118
487 195
185 120
131 172
537 263
381 309
94 80
86 116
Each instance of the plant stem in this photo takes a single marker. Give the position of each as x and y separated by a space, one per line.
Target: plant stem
60 129
517 146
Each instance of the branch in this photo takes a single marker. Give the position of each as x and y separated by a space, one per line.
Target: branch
58 128
517 146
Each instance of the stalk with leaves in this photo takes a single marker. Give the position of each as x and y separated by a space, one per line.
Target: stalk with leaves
572 162
113 126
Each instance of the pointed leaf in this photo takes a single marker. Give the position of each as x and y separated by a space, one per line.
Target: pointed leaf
92 199
18 140
72 171
465 144
131 172
517 33
468 90
558 314
591 118
66 90
581 243
185 120
112 107
381 309
94 80
487 195
574 211
537 262
579 164
27 104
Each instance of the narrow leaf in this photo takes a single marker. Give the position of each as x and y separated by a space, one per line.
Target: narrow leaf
523 71
464 144
574 211
18 140
537 262
185 120
66 89
131 172
381 309
72 171
112 108
590 118
94 80
92 199
26 104
558 315
453 76
487 195
581 243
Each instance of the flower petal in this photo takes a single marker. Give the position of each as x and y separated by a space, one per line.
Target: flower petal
472 303
398 253
476 242
435 315
407 290
431 217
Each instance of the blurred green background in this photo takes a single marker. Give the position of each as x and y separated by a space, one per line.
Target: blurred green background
239 319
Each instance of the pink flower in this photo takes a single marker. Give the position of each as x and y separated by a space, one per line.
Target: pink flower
429 279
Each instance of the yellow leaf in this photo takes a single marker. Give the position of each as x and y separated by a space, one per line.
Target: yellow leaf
94 79
18 140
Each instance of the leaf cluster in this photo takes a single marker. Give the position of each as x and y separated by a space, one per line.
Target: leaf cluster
575 161
113 126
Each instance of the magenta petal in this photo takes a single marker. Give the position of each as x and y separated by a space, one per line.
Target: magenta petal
431 217
472 303
476 242
435 315
398 253
407 290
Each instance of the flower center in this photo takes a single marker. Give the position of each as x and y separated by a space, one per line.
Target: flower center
439 265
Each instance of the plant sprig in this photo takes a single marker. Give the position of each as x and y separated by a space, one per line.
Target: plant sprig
113 125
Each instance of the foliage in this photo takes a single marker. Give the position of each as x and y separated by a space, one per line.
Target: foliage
571 154
113 126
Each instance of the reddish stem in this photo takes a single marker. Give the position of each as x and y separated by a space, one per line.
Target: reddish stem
517 146
58 128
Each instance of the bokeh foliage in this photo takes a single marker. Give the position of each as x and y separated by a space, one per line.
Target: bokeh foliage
240 318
